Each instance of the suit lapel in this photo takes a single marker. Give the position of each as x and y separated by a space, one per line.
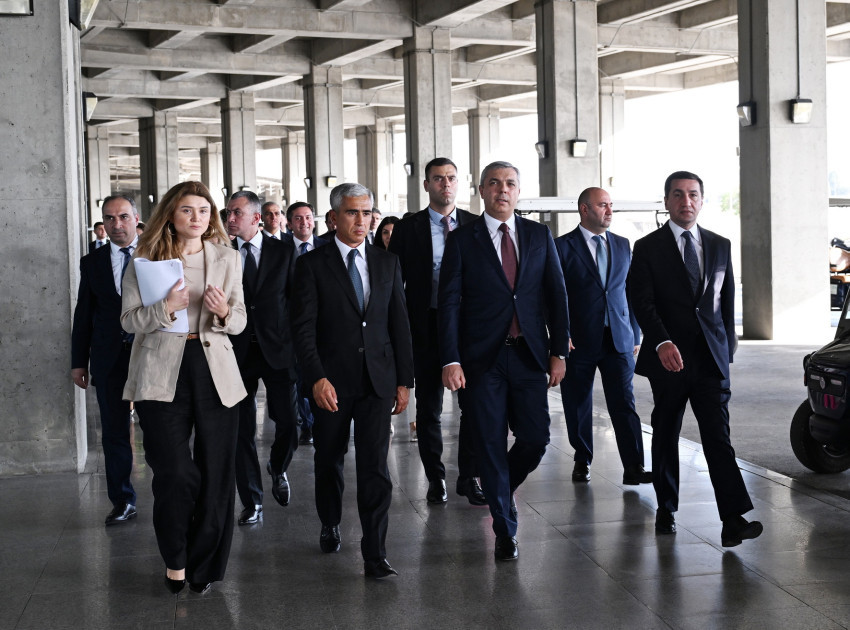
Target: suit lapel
267 261
670 249
709 257
338 270
580 245
422 228
482 236
523 237
104 269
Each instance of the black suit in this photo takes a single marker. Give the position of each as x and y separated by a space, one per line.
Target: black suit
264 351
96 338
93 245
703 329
365 357
411 242
506 382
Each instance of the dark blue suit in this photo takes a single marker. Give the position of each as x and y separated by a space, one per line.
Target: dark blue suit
96 340
703 329
506 385
611 349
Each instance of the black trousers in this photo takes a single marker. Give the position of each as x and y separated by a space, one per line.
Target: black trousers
331 432
253 367
511 395
701 384
617 369
192 486
115 429
428 374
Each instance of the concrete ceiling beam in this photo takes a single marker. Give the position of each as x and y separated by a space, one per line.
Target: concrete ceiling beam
453 13
255 20
341 52
710 15
628 11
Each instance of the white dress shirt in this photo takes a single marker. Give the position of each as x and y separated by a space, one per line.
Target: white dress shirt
496 234
118 261
360 263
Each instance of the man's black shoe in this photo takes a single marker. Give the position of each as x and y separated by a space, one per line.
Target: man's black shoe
665 522
581 472
506 548
121 513
251 515
636 475
470 488
437 491
379 570
329 539
738 529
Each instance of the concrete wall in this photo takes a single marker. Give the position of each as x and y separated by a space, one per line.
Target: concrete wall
42 417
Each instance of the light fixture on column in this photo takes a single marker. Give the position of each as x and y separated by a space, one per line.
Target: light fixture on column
408 168
331 181
247 188
747 114
578 147
801 110
308 182
224 192
89 103
542 148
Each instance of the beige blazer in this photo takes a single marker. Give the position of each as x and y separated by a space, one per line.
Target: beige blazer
156 355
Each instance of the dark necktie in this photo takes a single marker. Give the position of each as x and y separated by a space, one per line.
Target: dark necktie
274 236
356 280
304 248
125 336
602 266
509 266
447 226
250 269
692 263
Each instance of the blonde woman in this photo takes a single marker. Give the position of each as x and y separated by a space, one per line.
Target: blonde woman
188 383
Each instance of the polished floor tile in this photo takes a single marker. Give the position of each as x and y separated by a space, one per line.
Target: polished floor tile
588 553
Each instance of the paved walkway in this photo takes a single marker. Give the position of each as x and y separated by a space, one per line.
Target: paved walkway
589 557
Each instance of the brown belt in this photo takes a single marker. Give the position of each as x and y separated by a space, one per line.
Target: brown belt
193 336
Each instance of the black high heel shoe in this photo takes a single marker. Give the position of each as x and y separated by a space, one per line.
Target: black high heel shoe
174 586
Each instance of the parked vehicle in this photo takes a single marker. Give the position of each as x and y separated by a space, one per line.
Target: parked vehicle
839 272
820 429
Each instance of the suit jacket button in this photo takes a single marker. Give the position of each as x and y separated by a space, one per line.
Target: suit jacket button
359 349
364 324
253 307
206 344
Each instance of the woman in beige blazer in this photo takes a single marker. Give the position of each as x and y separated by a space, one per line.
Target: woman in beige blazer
183 383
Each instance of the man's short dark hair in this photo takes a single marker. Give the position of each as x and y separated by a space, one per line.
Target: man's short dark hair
440 161
268 204
253 201
682 175
97 224
112 198
298 204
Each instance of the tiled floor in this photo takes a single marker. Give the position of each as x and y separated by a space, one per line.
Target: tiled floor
589 557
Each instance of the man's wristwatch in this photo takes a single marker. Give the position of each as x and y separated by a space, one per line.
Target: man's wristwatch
560 356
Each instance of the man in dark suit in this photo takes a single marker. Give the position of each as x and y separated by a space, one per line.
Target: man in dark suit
99 236
419 241
272 220
605 335
301 222
263 351
501 287
683 293
99 344
353 344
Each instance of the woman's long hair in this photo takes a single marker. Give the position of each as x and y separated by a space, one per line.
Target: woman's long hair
379 238
159 240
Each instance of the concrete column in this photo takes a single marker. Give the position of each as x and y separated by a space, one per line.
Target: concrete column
427 105
158 158
212 171
567 99
612 101
239 142
784 198
324 132
97 170
374 163
483 144
42 414
294 161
